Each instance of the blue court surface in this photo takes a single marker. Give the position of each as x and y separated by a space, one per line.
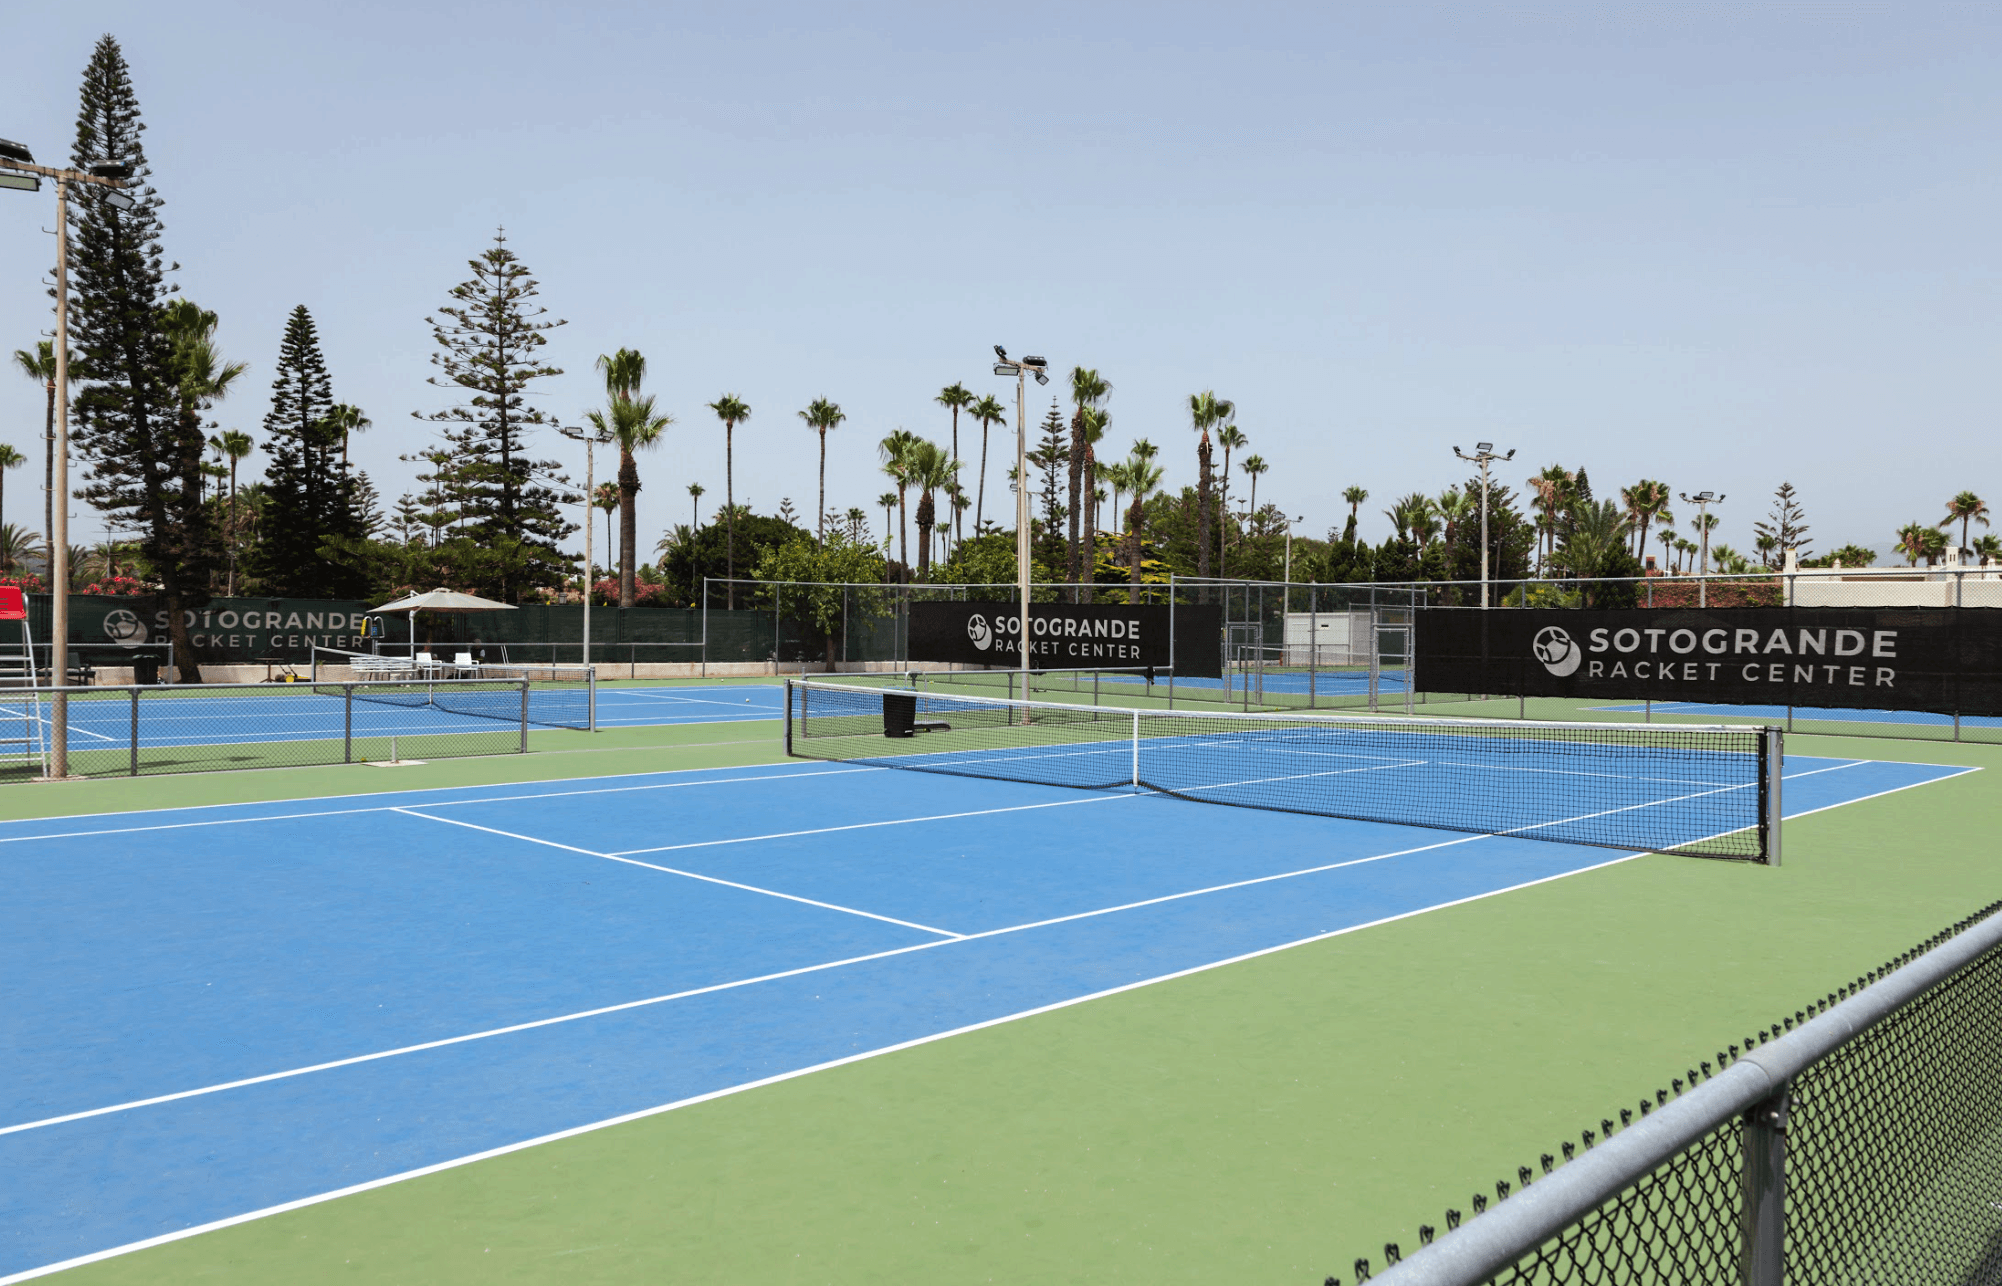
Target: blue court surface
212 1012
1807 714
622 707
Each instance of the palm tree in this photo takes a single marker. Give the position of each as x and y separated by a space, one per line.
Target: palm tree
894 451
820 416
858 523
1685 555
16 544
1935 546
1553 487
1989 548
733 411
1206 410
235 445
1454 507
1096 420
607 499
929 468
346 420
695 490
1252 466
1142 476
40 366
1665 531
1963 509
1229 437
1596 530
9 459
990 413
1114 475
1088 388
1354 496
889 502
635 424
954 396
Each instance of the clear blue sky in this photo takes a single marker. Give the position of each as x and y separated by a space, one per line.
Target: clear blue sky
1717 247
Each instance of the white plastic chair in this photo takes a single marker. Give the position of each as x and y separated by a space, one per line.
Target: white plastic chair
464 663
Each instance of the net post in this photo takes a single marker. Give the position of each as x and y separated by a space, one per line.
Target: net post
135 730
1136 747
788 729
347 723
1774 756
1763 1187
524 716
591 695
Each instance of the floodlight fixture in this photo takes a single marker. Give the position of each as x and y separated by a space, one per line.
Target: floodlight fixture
105 169
1484 446
119 201
1035 361
1001 352
12 151
21 182
1040 377
1007 368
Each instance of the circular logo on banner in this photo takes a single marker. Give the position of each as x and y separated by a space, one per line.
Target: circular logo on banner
976 629
124 628
1555 649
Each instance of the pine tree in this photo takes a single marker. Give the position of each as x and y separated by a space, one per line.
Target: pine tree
1052 456
310 492
1788 526
487 339
142 457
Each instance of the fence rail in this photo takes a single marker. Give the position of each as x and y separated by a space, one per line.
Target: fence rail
137 730
1856 1139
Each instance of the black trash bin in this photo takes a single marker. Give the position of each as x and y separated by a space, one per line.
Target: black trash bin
146 669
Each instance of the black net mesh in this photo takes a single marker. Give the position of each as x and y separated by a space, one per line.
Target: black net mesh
1893 1169
1683 790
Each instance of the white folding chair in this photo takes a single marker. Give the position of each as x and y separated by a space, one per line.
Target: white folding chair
464 663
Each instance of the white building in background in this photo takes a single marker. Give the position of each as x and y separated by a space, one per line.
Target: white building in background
1960 580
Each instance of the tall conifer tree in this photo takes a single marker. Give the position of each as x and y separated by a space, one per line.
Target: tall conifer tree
488 337
309 492
142 458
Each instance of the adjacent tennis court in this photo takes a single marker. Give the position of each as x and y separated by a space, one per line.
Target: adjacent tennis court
1805 714
224 1010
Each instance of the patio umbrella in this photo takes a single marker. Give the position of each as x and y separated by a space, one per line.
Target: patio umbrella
441 600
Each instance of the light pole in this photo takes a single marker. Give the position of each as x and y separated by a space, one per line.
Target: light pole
1289 548
1021 370
590 482
1484 455
1703 500
19 171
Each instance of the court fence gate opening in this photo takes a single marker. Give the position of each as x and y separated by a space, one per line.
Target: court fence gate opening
1856 1139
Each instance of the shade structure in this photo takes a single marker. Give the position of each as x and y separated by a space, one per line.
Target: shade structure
445 600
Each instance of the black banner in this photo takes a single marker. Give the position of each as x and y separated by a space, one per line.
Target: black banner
1942 660
1071 636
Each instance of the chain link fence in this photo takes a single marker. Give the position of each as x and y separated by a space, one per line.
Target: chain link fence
137 731
1858 1139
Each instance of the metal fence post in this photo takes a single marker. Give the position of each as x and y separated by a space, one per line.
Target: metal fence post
524 716
347 723
705 627
1762 1259
135 730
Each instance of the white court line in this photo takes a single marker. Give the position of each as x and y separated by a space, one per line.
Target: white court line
707 879
728 1091
863 826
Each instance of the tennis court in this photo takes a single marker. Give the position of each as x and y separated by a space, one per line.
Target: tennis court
104 718
225 1010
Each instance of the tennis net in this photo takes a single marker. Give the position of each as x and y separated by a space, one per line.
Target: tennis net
1703 790
551 696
